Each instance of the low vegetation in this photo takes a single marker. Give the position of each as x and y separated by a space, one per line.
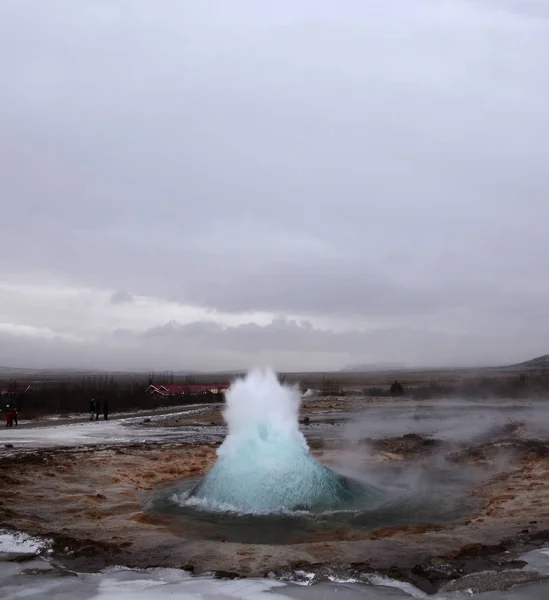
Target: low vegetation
74 395
127 392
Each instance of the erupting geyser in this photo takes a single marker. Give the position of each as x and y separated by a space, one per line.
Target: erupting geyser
264 463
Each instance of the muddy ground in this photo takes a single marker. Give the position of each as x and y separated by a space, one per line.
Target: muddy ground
92 502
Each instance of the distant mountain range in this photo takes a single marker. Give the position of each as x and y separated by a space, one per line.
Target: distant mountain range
535 364
76 372
16 370
375 368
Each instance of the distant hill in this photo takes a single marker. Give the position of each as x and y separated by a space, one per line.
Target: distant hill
535 364
375 368
16 370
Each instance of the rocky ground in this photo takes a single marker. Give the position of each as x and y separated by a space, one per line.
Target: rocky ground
92 502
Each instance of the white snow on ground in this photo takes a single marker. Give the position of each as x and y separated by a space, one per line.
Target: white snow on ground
20 543
139 414
147 588
97 432
394 583
538 560
168 584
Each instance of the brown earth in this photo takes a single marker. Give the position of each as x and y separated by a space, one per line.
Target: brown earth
91 503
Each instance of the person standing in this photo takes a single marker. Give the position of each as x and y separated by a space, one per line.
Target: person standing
97 408
92 408
106 409
8 416
13 417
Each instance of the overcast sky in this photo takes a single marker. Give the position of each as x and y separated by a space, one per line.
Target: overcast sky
199 184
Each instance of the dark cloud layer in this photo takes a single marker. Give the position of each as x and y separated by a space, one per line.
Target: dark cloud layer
293 346
121 298
379 164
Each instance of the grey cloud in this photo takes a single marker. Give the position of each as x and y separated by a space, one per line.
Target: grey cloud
285 344
121 297
533 8
410 345
376 160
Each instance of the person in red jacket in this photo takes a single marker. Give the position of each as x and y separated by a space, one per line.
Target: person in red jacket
13 416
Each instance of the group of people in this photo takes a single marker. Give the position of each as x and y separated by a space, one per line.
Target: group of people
95 408
11 416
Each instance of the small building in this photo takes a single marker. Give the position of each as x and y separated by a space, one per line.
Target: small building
186 389
14 390
14 394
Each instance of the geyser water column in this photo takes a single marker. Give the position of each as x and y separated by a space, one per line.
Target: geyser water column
264 463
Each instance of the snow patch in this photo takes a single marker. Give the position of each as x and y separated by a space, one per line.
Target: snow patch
190 589
21 543
304 578
93 433
408 588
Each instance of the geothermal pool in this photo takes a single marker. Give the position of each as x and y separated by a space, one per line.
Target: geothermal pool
394 506
266 487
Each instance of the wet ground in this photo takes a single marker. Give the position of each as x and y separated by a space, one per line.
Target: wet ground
27 572
119 429
478 471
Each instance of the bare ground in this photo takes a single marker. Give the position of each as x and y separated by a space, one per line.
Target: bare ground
91 503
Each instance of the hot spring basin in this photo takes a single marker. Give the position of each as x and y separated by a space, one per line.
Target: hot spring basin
278 479
365 510
265 487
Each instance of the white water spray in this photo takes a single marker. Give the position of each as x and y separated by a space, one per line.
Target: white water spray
264 463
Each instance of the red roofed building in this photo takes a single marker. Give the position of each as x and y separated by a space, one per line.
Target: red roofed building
191 389
14 389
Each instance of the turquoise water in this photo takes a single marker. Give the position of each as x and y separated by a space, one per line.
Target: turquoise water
264 464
